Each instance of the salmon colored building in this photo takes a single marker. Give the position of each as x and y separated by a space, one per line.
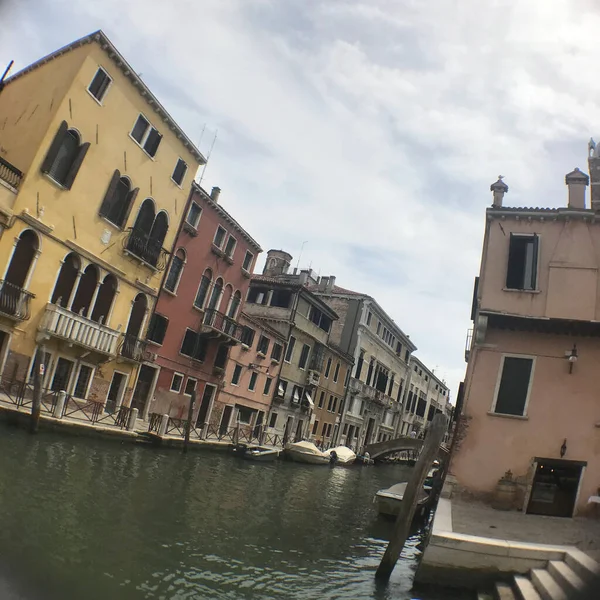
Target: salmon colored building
530 396
196 318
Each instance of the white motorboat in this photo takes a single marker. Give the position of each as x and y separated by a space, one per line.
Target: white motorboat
306 452
389 501
262 454
344 456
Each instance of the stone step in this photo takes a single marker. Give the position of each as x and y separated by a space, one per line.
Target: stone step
584 566
525 589
565 576
504 592
547 588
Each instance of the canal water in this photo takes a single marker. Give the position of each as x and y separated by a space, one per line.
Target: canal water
83 518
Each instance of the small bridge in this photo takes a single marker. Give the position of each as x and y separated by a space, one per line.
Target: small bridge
398 445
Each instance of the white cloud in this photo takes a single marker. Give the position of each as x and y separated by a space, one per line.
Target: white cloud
374 126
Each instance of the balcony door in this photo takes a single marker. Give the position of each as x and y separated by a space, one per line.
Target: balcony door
132 334
207 396
17 273
62 375
143 387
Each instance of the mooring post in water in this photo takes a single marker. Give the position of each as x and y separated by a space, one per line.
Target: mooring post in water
36 403
411 495
188 424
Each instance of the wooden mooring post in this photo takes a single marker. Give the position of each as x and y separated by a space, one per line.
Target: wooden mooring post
36 402
401 529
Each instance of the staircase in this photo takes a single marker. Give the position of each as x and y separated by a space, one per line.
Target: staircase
560 580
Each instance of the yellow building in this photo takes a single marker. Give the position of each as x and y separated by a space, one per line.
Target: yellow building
94 177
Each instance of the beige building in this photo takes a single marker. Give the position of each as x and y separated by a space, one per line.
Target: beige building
94 174
530 396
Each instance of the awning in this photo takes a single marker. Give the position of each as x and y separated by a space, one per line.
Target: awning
296 395
281 390
308 398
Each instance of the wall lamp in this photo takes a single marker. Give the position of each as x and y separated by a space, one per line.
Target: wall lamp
571 357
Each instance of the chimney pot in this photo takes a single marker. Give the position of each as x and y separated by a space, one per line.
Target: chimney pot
577 182
215 193
498 188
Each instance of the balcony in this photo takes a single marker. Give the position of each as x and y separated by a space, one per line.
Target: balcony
468 344
14 301
313 378
135 349
370 393
10 175
77 330
221 325
146 249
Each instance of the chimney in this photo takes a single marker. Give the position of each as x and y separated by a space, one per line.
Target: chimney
330 283
499 189
577 182
594 168
214 194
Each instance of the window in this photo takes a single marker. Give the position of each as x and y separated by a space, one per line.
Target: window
273 420
330 404
221 356
347 378
100 84
193 216
83 381
175 271
234 304
157 328
237 373
359 364
230 247
282 388
335 401
342 403
407 356
369 316
216 294
336 372
521 273
65 155
252 384
203 289
219 237
247 264
321 399
244 415
276 352
267 388
179 172
146 136
194 345
304 356
247 336
190 386
263 345
118 200
176 382
281 298
290 350
297 394
328 367
378 327
315 427
514 386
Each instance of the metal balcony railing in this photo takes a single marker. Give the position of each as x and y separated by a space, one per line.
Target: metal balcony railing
10 174
14 301
145 248
76 329
468 344
134 348
217 321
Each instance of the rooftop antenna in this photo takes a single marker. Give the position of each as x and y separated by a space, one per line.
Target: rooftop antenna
300 254
207 158
10 64
201 134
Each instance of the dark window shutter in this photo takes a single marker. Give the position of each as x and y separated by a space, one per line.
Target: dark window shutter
76 164
514 384
536 240
110 192
54 146
130 202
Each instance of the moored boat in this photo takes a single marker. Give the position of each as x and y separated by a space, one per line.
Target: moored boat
306 452
343 455
388 501
262 454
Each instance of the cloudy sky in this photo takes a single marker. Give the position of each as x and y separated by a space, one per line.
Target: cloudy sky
369 129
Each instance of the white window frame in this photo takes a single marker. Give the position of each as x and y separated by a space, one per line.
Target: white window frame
180 184
285 359
537 266
173 292
186 383
307 357
89 384
224 237
268 379
252 376
100 101
145 136
249 269
529 386
194 225
239 378
177 374
230 237
336 371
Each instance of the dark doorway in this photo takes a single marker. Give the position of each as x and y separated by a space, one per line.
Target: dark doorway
67 277
142 388
259 423
115 392
207 396
288 427
299 431
11 291
225 419
369 433
138 310
62 375
554 488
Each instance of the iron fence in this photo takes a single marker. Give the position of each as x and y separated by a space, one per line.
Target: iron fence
154 423
15 301
146 248
119 418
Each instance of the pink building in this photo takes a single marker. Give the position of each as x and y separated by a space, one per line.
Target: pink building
531 396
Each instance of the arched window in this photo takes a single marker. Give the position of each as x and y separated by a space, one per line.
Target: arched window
175 271
148 233
65 155
118 200
157 236
85 291
132 347
215 297
105 299
66 280
235 304
226 297
203 289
